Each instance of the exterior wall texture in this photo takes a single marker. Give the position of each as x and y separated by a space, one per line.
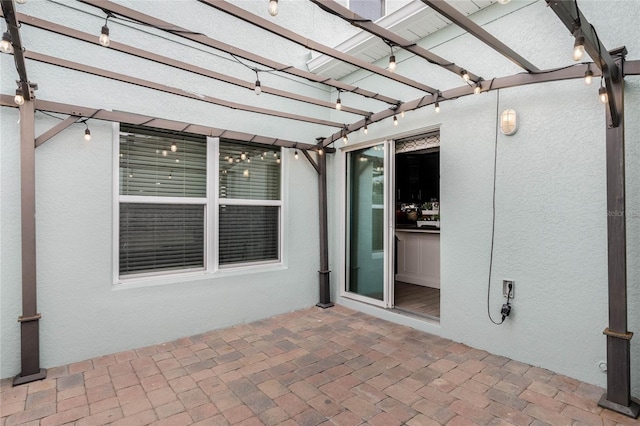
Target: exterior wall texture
550 230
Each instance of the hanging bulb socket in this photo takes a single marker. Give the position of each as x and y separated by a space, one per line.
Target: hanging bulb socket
243 156
588 76
174 147
273 7
395 120
5 44
104 35
392 63
87 134
602 95
257 88
338 103
365 129
19 98
578 48
320 151
477 89
437 107
465 75
296 155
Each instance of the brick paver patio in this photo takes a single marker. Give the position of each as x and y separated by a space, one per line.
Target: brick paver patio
309 367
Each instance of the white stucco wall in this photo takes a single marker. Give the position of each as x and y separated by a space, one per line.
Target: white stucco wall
550 231
550 195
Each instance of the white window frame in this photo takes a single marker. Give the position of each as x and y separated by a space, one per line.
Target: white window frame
211 204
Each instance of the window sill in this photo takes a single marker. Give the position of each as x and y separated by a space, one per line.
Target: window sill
187 277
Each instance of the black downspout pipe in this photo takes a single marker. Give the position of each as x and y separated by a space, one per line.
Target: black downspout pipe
324 282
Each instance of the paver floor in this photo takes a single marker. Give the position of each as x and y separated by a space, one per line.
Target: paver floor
309 367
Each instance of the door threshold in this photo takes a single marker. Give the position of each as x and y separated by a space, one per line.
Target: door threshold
414 314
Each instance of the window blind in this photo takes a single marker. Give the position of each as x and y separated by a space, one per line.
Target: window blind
248 234
161 237
148 167
249 172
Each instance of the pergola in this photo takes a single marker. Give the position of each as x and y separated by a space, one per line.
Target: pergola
610 64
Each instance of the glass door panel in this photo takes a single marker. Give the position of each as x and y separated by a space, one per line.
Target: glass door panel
365 274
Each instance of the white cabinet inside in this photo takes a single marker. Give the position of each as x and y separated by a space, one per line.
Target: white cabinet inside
418 257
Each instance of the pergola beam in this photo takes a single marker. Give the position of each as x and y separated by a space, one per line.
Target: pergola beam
578 25
269 26
333 7
164 60
56 129
202 39
448 11
155 122
172 90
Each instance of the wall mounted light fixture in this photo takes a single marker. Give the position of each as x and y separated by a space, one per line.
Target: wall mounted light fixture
509 122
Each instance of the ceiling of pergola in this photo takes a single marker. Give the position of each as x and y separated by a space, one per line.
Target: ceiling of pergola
425 74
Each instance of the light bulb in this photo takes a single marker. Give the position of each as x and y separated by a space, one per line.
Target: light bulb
578 48
278 160
164 153
174 147
104 36
258 88
320 151
395 120
170 176
245 173
588 77
130 175
19 98
392 63
296 155
366 129
273 7
87 135
602 93
345 139
230 160
5 44
338 103
437 107
477 89
503 1
243 156
248 160
465 75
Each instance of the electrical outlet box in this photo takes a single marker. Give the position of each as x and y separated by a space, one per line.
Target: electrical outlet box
505 288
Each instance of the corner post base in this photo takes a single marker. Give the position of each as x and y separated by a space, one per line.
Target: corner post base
21 380
324 305
633 410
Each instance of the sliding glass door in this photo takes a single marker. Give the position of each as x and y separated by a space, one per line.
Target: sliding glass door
366 225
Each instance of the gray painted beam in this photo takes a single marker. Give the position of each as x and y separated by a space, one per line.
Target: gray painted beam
448 11
119 10
313 45
354 19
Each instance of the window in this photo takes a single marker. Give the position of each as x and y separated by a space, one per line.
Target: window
167 210
249 203
370 9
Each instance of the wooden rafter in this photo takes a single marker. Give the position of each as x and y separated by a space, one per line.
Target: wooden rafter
269 26
448 11
354 19
119 10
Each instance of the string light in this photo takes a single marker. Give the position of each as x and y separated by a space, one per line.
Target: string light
19 98
104 34
477 89
273 7
174 147
392 60
243 156
365 128
87 133
296 155
258 86
401 114
170 174
602 94
338 102
465 75
277 159
395 120
320 151
588 75
230 160
245 173
578 48
164 153
5 44
437 107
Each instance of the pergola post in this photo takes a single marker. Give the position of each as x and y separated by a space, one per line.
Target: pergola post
29 321
618 396
324 283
